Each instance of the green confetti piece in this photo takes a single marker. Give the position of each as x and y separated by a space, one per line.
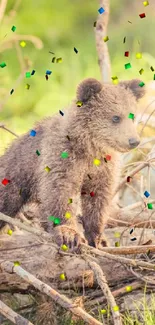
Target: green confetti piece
37 152
149 205
103 311
79 103
154 77
47 169
70 201
117 244
3 65
51 218
127 66
13 28
28 74
57 221
129 288
131 115
115 308
141 84
64 155
16 263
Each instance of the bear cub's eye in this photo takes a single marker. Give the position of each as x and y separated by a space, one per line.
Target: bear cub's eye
116 119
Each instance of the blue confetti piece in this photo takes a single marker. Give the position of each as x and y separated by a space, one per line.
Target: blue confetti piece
146 193
48 72
61 113
33 72
101 10
33 133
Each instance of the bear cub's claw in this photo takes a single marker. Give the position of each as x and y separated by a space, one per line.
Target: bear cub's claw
68 236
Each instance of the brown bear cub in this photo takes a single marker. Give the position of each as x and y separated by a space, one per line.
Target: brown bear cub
76 171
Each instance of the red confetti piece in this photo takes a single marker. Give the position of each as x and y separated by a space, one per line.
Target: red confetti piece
5 181
126 53
128 179
142 15
108 157
92 194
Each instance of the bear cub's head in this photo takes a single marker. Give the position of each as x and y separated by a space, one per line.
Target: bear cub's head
106 109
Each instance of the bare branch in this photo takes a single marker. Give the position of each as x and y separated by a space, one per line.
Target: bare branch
4 128
2 8
12 315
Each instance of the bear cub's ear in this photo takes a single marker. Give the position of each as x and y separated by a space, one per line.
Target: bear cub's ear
133 85
87 88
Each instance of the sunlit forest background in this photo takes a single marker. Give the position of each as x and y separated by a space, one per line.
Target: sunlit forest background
58 27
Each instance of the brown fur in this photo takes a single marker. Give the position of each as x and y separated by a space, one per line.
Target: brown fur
92 134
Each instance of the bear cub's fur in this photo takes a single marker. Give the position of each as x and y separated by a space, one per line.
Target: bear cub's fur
81 183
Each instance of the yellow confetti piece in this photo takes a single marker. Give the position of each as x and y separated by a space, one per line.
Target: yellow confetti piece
129 288
10 232
115 308
64 248
145 3
103 311
141 71
115 80
106 39
79 103
117 234
67 215
22 44
138 55
47 169
27 86
97 162
62 277
59 60
117 244
16 263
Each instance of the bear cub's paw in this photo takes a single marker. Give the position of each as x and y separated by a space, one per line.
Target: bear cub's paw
68 236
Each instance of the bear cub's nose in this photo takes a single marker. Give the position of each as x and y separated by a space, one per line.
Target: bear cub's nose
133 142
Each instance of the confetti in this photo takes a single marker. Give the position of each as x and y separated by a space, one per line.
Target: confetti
127 66
67 215
70 201
62 277
28 74
154 77
94 23
141 84
57 221
3 65
79 103
101 10
115 80
117 244
37 152
106 39
117 234
61 113
115 308
11 92
13 28
129 22
92 194
9 232
5 181
27 86
108 157
48 72
97 162
47 169
59 60
33 72
133 239
149 205
51 52
89 176
75 50
152 69
67 136
131 115
142 15
105 160
124 40
128 288
46 76
16 263
51 218
64 248
138 55
103 311
33 133
126 53
128 179
131 231
53 59
64 155
22 44
141 71
145 3
146 193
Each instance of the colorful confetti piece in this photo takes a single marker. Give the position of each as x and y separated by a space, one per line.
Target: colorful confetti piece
103 311
108 157
128 179
9 232
64 248
75 50
33 72
97 162
146 193
131 115
22 44
5 181
126 53
3 65
48 72
141 71
117 244
47 169
142 15
28 74
106 39
33 133
115 308
141 84
37 152
13 28
79 103
117 234
138 55
133 239
92 194
59 60
12 91
128 288
62 277
101 10
127 66
145 3
27 86
64 155
61 113
16 263
149 205
70 201
67 215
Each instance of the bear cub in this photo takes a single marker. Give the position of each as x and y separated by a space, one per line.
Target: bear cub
76 171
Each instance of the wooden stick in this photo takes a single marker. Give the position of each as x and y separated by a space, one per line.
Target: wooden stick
49 291
6 129
12 315
102 281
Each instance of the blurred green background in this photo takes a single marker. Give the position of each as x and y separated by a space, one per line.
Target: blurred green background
59 26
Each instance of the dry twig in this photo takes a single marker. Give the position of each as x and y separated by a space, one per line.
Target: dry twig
12 315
